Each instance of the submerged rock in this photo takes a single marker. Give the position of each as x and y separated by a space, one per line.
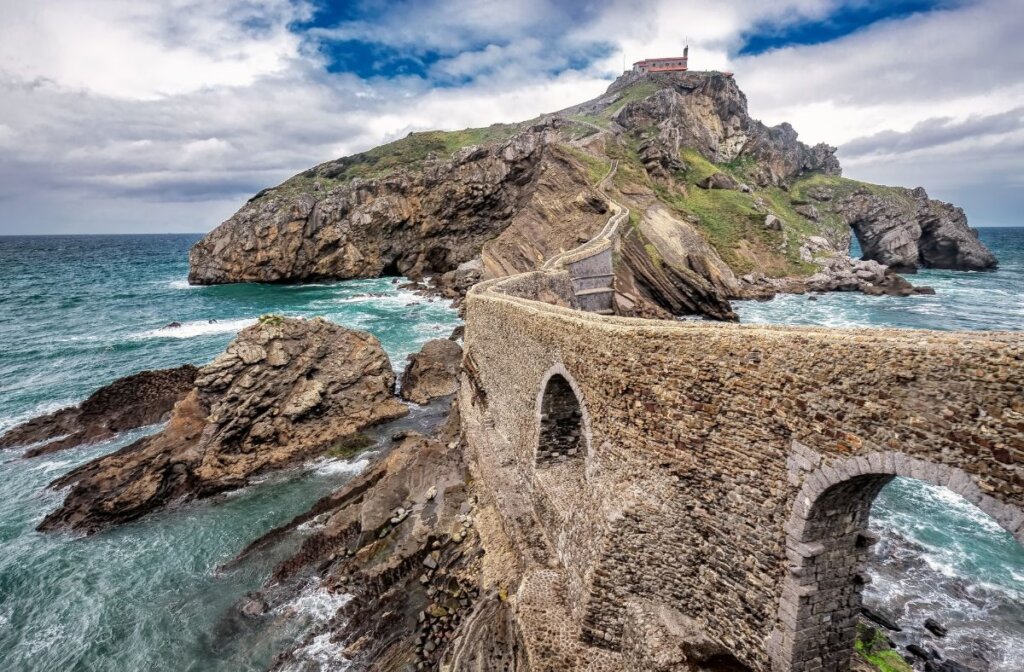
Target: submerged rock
141 399
432 372
283 390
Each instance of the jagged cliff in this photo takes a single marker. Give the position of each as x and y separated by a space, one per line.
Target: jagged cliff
723 206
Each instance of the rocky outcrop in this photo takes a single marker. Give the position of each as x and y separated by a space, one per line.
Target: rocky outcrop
141 399
432 372
666 268
842 274
908 231
420 220
283 390
707 112
837 274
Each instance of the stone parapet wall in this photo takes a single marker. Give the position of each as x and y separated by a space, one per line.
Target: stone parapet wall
708 446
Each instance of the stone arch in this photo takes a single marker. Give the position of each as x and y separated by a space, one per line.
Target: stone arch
827 548
562 421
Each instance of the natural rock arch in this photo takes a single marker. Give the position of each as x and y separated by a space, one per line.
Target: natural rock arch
563 426
827 547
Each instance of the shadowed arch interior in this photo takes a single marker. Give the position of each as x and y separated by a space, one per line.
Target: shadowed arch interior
561 425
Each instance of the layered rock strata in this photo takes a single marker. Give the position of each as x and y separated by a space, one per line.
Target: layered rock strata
404 540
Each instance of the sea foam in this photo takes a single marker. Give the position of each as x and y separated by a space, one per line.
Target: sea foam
197 328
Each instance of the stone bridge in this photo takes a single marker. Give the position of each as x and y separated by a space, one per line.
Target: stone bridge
704 488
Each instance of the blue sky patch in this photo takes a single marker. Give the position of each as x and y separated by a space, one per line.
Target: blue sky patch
342 32
368 60
847 19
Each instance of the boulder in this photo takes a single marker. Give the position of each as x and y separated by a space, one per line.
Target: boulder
820 193
949 666
808 211
432 372
284 390
813 245
456 283
141 399
934 627
719 181
772 222
918 651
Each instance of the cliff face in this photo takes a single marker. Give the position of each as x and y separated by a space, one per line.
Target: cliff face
717 196
412 221
708 113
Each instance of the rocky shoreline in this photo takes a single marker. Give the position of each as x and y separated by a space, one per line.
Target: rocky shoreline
407 546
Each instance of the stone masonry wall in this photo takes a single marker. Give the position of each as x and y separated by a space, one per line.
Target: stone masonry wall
710 445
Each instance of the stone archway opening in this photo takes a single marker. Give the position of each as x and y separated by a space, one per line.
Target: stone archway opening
562 440
829 548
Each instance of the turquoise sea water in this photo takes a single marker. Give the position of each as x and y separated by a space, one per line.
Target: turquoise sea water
78 312
974 301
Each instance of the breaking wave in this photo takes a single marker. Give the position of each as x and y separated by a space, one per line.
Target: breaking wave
198 328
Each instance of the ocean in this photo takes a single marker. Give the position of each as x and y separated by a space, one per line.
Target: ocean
77 312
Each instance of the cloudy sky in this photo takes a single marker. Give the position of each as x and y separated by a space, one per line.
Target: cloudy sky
164 116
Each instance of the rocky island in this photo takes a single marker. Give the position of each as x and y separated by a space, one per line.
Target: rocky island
722 207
